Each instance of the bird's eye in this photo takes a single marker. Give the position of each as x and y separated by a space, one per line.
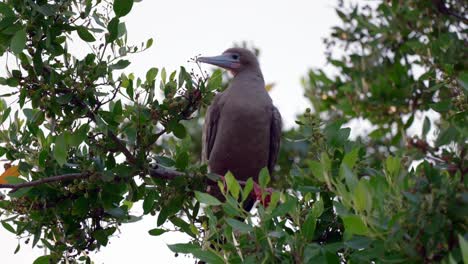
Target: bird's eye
235 56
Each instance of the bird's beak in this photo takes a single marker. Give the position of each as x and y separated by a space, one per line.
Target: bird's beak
225 61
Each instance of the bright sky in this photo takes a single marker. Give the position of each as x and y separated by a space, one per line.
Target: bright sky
289 34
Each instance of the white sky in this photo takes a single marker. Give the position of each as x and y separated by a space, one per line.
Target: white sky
289 34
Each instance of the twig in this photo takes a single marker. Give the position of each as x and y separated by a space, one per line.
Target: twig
56 178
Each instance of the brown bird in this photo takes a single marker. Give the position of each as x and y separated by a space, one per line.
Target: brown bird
242 127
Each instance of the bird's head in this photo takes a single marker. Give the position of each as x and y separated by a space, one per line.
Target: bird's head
235 60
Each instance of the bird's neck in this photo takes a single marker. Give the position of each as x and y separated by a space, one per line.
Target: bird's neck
251 75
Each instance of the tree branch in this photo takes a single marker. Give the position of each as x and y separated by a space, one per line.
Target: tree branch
56 178
156 172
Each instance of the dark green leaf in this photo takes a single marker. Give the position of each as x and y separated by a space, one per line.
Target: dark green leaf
43 260
122 7
121 64
156 231
149 202
84 34
18 42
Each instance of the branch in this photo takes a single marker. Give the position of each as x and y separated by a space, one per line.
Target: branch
121 146
156 172
63 177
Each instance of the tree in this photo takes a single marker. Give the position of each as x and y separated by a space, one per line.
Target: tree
88 142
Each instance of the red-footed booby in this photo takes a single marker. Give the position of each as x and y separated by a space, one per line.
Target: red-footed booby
242 128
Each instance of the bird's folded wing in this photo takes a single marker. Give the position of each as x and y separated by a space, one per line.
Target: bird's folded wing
275 138
210 127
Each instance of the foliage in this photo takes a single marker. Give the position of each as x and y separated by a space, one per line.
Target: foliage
88 142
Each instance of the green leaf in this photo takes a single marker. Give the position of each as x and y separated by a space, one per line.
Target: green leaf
18 42
84 34
148 202
215 80
318 208
8 227
317 170
392 165
184 248
60 150
179 130
239 226
121 64
308 227
284 208
196 251
206 198
463 248
361 196
446 136
113 28
182 161
354 225
351 157
426 126
149 43
122 7
264 177
151 74
156 231
47 259
247 189
232 185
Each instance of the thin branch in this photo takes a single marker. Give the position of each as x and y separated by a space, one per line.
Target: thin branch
56 178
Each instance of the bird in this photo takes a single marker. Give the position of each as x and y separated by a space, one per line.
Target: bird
242 129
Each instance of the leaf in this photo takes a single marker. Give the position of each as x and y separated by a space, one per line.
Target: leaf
179 130
446 136
18 42
361 196
247 189
121 64
264 177
148 203
284 208
308 227
426 126
215 80
149 43
84 34
113 28
463 248
206 198
10 172
316 169
184 248
43 260
8 227
232 185
354 225
122 7
151 74
351 157
60 150
239 226
182 161
156 231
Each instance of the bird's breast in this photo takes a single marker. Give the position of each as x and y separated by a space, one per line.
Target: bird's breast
243 139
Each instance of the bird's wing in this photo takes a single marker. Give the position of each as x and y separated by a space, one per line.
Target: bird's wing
210 127
275 138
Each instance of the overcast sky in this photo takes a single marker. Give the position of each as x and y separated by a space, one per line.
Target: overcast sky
289 34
